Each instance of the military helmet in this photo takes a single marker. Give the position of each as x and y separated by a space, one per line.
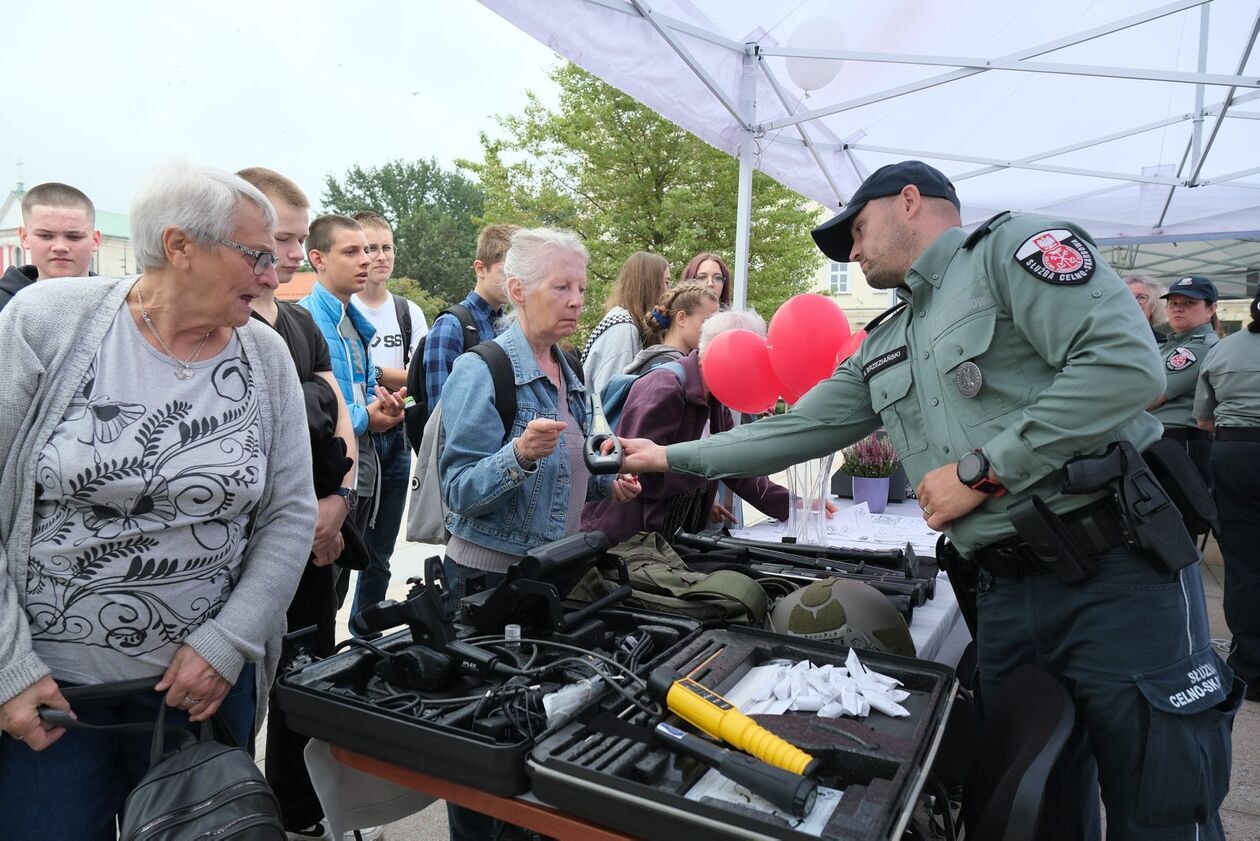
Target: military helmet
848 612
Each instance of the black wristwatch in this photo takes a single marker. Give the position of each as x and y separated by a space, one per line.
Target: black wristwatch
351 497
973 471
377 373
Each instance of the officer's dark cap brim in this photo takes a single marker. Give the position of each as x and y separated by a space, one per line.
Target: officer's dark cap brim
833 237
1195 287
1201 294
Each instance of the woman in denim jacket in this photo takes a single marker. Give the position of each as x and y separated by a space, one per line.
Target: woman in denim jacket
510 492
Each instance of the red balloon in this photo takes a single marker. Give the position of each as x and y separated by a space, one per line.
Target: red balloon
850 346
805 335
737 370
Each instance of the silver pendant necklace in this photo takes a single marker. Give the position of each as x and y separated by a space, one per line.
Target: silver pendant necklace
183 369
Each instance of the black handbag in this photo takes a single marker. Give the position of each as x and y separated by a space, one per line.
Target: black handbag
202 789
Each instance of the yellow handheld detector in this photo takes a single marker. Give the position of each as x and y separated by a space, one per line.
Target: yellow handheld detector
719 718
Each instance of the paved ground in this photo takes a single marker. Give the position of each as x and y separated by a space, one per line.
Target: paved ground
1241 814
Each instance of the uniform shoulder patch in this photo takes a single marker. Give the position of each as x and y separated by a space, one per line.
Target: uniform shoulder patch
1057 256
1180 359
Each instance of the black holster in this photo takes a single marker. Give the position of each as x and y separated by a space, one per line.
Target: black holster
964 578
1153 524
1051 541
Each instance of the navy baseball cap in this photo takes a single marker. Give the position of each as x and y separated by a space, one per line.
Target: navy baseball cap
1194 287
833 237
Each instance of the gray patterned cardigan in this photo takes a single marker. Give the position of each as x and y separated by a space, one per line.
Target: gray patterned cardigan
48 337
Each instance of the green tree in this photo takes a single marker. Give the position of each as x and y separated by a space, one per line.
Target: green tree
433 214
428 303
626 179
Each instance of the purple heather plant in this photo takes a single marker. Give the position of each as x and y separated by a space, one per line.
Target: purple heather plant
871 458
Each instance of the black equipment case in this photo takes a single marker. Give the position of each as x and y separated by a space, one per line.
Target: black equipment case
879 763
329 700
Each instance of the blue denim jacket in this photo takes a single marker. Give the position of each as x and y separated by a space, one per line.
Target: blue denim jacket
492 501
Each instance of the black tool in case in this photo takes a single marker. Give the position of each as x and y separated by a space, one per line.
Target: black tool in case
596 768
459 701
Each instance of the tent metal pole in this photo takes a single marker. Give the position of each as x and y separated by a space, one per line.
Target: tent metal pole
801 130
953 76
1197 148
976 159
747 154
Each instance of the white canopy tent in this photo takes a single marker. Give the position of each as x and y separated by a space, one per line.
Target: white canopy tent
1137 120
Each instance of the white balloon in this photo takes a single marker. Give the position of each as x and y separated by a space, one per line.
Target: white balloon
820 32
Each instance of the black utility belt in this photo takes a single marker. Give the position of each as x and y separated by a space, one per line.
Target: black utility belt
1095 527
1183 434
1250 434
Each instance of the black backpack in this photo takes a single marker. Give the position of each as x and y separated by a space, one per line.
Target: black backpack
204 789
418 412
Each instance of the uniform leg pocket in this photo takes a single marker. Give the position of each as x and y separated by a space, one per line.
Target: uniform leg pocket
1185 766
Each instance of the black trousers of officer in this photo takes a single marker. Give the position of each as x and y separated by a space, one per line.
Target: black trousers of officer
1236 488
1156 702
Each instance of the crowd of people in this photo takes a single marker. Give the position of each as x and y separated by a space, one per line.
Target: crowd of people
167 512
193 465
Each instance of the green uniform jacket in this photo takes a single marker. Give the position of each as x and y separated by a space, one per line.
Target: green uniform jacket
1229 384
1183 355
1066 360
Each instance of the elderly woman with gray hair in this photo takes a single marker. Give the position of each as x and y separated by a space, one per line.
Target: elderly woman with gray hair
671 404
510 490
1149 294
156 508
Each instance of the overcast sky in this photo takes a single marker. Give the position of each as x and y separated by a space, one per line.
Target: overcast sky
97 94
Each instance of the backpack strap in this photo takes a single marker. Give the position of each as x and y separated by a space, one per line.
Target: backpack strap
675 367
496 359
472 336
404 324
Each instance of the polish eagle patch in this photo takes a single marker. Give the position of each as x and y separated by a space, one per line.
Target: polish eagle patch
1180 359
1057 256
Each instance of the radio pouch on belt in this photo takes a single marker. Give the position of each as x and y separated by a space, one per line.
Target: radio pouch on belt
1051 541
1184 483
1152 521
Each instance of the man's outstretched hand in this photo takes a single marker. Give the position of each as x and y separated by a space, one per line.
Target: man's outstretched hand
641 456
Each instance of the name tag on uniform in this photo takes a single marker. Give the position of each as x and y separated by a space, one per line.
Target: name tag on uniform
882 361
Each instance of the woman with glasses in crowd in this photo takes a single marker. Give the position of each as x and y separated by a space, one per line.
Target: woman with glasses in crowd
156 504
710 270
1147 291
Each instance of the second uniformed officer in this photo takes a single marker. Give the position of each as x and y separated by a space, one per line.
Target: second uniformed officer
1227 400
1015 350
1191 315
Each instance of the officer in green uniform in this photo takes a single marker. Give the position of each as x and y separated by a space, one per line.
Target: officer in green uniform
1013 350
1192 315
1228 401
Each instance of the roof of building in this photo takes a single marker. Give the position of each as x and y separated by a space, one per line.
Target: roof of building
298 288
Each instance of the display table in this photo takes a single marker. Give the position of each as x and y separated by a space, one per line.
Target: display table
358 790
525 811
